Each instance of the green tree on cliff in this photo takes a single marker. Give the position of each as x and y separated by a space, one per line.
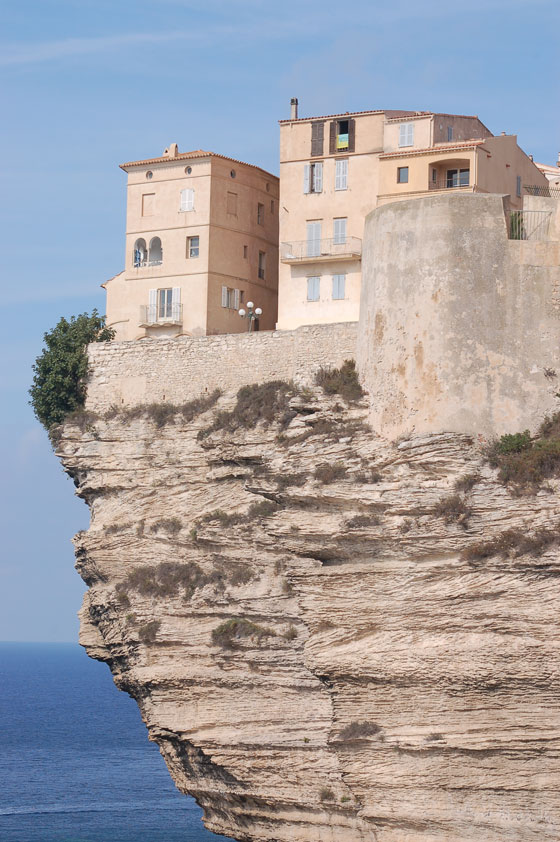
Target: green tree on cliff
59 382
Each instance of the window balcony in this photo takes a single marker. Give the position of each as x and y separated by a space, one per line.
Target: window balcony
450 184
150 316
319 251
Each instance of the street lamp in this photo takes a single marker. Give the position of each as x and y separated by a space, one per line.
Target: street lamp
250 314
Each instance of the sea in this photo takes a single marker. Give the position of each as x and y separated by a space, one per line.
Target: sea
75 761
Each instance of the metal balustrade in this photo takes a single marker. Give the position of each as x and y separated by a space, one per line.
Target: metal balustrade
529 225
311 251
172 315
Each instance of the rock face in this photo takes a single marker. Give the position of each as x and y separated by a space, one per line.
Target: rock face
308 643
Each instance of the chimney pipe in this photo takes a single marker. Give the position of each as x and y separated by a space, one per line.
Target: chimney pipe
294 108
558 161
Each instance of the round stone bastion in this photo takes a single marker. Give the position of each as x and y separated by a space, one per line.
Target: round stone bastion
459 325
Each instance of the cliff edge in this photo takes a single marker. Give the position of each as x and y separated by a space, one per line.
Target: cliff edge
329 635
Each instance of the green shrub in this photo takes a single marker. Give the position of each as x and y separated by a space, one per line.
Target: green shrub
524 463
341 381
147 633
329 472
290 633
161 414
359 730
361 521
372 476
229 634
256 403
466 483
263 508
60 372
326 794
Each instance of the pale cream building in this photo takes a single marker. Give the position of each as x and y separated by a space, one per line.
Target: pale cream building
337 168
201 242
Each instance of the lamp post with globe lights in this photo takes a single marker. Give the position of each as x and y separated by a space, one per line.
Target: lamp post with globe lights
250 314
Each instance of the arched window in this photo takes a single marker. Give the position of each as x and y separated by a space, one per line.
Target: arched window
156 253
140 253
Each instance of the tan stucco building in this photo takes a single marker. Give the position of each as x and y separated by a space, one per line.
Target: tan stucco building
336 169
201 241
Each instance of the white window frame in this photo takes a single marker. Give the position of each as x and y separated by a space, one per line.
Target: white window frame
314 288
339 230
341 174
401 170
187 200
406 134
338 287
191 248
313 177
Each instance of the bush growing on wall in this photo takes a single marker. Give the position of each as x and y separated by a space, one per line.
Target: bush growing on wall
59 382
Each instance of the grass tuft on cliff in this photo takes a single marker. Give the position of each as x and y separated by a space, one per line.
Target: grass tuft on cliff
341 381
229 634
256 403
60 371
359 730
524 462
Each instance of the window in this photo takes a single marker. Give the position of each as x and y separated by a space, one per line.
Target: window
317 138
434 176
458 178
272 206
140 253
193 246
230 298
155 254
313 178
338 286
232 203
165 303
245 252
402 175
406 134
341 174
262 262
313 288
449 133
339 231
148 204
260 214
518 186
187 199
342 136
313 239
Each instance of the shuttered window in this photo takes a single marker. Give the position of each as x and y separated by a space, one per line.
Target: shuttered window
317 138
406 134
231 298
187 199
339 231
341 174
152 306
313 288
262 263
232 203
313 177
236 299
176 304
338 286
313 239
306 178
224 296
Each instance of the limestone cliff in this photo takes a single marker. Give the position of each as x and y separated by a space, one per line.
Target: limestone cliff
310 642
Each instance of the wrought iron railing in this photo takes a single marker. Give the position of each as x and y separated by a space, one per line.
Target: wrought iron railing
447 184
317 249
153 315
529 225
138 264
544 190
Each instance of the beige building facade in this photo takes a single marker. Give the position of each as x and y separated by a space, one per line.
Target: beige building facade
335 170
201 242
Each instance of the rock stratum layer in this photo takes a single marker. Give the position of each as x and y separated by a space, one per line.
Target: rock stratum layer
332 663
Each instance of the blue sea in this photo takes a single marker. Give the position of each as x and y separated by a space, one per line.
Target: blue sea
75 761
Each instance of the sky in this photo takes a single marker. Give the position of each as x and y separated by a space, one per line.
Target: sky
88 84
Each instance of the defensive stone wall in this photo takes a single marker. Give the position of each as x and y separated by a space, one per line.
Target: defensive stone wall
459 325
177 370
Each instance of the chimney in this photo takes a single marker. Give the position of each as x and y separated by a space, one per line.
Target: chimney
503 134
172 151
293 108
531 158
558 160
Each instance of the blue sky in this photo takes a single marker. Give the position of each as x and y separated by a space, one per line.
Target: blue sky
88 84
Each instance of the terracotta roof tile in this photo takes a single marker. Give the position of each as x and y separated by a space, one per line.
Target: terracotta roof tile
197 153
442 147
394 114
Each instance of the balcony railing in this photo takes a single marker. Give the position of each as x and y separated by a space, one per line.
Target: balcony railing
139 264
172 315
529 225
542 190
447 184
313 251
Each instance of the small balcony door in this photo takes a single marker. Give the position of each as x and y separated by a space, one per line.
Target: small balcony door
313 239
458 178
